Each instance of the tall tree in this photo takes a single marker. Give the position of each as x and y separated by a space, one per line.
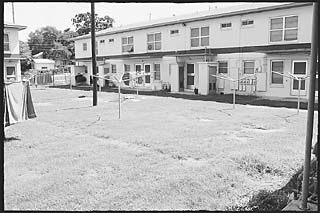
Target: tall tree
43 40
82 23
25 55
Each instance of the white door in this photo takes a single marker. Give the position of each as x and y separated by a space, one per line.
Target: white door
139 80
299 69
190 76
147 71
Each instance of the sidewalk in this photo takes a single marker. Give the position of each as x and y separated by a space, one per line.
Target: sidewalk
227 98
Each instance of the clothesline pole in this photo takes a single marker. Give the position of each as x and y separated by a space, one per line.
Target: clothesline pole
234 94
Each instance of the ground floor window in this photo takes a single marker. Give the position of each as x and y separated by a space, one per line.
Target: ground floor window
113 68
223 66
190 76
126 75
156 71
11 73
276 66
248 67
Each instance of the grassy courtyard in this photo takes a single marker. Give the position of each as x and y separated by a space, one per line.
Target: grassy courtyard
165 153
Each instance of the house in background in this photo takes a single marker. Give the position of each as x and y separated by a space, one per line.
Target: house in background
186 51
11 65
42 64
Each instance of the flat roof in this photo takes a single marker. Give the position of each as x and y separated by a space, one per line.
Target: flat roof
15 26
215 13
43 60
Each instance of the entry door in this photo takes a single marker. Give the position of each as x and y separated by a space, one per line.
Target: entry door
147 70
299 69
190 76
212 79
181 78
138 72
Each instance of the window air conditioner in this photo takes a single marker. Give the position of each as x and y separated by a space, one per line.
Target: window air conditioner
149 47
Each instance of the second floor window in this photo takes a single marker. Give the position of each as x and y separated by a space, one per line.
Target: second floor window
127 44
84 46
223 67
284 29
6 46
154 41
226 25
247 22
200 36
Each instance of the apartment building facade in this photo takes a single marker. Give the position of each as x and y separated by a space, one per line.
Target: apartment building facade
192 51
11 65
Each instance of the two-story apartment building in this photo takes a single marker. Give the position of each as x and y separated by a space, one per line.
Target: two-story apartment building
11 65
186 51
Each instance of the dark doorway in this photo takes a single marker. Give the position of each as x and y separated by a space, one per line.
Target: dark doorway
181 78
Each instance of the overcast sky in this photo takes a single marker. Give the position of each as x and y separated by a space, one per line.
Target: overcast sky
35 15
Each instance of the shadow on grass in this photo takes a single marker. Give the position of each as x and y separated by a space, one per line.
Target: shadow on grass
227 98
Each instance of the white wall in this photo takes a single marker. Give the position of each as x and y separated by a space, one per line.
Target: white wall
38 66
13 40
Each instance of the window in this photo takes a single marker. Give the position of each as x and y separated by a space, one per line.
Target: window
101 41
223 67
44 68
200 36
11 73
276 66
111 40
106 70
113 68
247 22
6 46
96 48
126 75
174 32
226 25
156 71
154 41
284 29
127 44
248 67
84 46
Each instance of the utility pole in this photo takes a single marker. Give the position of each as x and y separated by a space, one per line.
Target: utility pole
12 13
93 51
311 94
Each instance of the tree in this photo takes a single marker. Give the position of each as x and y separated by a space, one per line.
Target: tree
82 23
25 55
43 40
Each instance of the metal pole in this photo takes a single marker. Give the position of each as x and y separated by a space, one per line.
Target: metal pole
311 94
119 99
36 81
70 79
234 94
93 51
299 80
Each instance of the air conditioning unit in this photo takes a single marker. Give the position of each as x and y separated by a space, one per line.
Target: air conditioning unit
150 47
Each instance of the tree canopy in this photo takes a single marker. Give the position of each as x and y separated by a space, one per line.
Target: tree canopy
54 44
82 23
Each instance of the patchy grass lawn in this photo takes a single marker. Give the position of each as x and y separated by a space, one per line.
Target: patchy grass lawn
165 153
